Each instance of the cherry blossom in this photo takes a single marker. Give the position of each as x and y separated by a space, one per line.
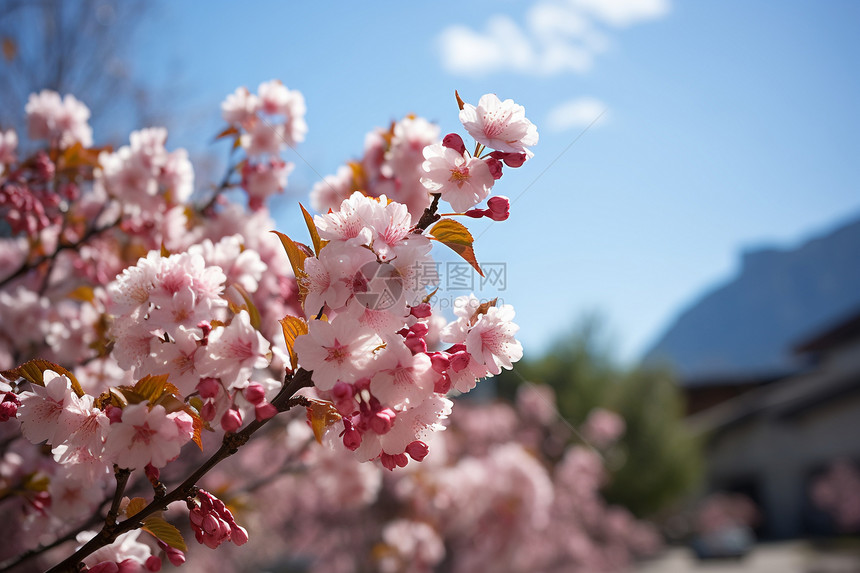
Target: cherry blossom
463 181
60 120
146 435
500 125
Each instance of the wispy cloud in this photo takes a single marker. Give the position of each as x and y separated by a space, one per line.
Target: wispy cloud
577 114
556 36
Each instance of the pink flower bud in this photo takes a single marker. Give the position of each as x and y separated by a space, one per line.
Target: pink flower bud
415 344
499 208
208 387
114 414
208 411
231 420
211 524
417 450
254 393
475 213
460 360
342 391
510 159
442 384
422 310
152 473
419 329
455 142
495 167
382 421
264 411
238 535
8 410
351 437
440 361
388 461
153 563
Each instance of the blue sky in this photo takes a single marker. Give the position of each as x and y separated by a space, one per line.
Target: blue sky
729 124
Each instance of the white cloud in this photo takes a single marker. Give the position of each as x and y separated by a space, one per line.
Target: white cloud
576 114
622 13
557 36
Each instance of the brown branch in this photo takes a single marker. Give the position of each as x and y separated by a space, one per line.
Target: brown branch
429 216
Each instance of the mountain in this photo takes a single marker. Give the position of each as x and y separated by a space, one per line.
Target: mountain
747 327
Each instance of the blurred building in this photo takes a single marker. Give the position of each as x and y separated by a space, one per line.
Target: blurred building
772 441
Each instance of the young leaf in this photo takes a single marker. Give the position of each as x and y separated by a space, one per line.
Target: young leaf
457 237
312 229
226 132
293 327
460 102
253 313
135 506
151 387
34 370
482 309
297 256
160 529
321 415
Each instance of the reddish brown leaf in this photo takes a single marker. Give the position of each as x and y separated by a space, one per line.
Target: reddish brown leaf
458 238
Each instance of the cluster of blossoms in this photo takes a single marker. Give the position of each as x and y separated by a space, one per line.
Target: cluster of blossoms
267 122
147 316
503 490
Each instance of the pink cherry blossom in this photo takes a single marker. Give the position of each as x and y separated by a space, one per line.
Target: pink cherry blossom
334 351
239 107
500 125
463 181
234 352
62 121
146 436
8 145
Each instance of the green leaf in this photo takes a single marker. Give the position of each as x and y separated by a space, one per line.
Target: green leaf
293 327
457 237
312 229
34 370
160 529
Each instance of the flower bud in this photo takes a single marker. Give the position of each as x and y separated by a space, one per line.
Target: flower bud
442 385
499 208
114 414
382 421
440 361
351 436
152 563
231 420
208 387
495 167
254 393
208 411
417 450
8 410
510 159
422 310
238 535
460 360
264 411
455 142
